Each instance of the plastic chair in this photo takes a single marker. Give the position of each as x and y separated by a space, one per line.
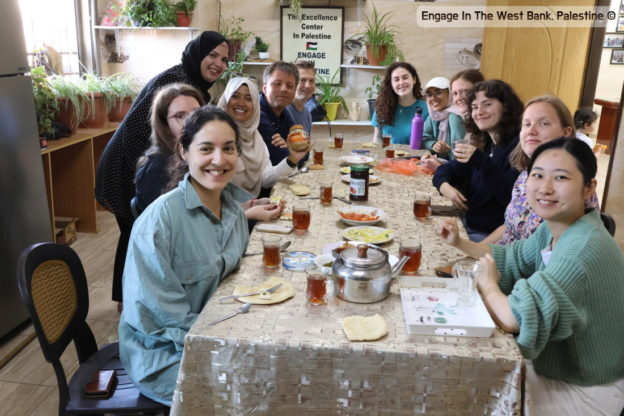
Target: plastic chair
53 286
608 222
134 208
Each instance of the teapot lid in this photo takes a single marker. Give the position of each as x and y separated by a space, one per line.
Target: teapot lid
364 256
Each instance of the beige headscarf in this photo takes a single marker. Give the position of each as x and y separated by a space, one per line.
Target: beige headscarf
254 155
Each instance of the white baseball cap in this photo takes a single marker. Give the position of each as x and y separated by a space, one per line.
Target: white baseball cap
438 82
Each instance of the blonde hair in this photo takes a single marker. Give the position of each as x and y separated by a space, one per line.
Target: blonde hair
518 159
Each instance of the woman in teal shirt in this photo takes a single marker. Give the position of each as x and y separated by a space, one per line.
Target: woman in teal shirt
182 246
397 102
561 290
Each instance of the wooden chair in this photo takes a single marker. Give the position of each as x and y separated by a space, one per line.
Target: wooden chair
53 285
608 222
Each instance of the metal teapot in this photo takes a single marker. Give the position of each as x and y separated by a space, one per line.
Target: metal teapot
363 274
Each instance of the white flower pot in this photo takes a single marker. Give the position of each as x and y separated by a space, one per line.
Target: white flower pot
263 55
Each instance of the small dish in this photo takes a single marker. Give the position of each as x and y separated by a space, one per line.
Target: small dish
298 260
354 210
372 179
356 160
373 235
325 262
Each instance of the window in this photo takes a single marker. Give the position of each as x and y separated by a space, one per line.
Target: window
52 25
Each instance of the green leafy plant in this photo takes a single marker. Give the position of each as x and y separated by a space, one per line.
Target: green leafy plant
260 45
295 5
69 89
46 104
329 90
122 85
235 68
150 13
374 88
186 6
379 33
91 84
232 30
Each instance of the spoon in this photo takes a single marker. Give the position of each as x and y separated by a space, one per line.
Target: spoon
304 169
243 309
283 247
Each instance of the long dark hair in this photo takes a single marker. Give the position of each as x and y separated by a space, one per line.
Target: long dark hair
582 154
387 102
509 126
177 167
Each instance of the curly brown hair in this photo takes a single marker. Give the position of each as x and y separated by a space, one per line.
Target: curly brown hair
387 102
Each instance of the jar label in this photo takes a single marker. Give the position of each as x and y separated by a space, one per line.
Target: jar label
357 187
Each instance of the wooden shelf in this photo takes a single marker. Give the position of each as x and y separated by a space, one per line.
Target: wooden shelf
186 29
350 66
343 123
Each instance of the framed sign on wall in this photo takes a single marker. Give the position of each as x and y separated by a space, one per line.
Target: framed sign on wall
317 37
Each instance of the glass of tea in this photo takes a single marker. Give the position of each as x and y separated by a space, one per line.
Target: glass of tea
326 193
390 152
386 139
338 139
271 245
465 273
411 248
317 284
422 205
301 216
318 156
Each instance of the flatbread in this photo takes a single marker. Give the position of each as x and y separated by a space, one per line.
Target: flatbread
364 328
401 153
286 291
369 145
316 167
299 190
286 216
275 199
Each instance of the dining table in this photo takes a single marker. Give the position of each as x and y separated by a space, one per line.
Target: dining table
294 358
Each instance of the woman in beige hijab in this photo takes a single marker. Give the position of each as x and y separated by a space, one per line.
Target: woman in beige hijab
254 170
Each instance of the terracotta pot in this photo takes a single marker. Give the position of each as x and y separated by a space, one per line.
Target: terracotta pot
235 46
183 20
120 109
378 59
95 117
67 114
332 110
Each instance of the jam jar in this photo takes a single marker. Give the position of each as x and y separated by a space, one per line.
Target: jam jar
358 184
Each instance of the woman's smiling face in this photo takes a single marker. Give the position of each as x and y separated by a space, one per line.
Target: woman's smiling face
215 63
486 112
540 124
240 106
402 82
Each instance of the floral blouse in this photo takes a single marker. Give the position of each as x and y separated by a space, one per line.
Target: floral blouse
520 219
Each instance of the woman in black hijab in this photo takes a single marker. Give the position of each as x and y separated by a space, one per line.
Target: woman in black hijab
203 61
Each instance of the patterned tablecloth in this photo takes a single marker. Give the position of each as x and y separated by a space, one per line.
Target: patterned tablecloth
292 358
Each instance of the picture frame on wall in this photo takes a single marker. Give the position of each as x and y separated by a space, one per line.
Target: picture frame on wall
617 57
620 24
622 8
613 40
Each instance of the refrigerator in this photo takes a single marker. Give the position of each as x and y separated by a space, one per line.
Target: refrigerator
24 215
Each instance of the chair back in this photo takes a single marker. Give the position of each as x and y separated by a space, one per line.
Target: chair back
608 222
53 286
134 208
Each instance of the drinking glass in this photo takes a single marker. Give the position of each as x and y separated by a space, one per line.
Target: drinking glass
422 205
326 193
386 139
464 273
390 152
271 245
338 139
412 248
301 216
318 286
318 156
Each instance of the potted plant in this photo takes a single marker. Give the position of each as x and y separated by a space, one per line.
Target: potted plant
373 89
262 48
329 95
379 37
235 68
233 31
71 100
149 13
184 12
99 102
46 104
124 88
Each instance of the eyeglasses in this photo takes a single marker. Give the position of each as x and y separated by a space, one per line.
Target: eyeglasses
436 92
179 117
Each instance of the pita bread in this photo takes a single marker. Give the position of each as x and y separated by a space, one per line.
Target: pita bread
401 153
316 167
369 145
364 328
299 190
286 291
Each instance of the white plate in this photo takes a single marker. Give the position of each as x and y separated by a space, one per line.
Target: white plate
373 235
361 210
372 179
327 256
355 160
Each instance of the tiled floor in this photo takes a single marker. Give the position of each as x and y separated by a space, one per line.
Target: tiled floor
27 382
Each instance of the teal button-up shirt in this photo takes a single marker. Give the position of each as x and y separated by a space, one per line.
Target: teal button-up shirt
177 255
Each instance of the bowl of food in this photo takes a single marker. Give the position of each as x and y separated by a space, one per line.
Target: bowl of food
361 215
325 262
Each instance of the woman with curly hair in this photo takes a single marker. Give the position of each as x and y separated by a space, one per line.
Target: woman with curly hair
397 102
496 112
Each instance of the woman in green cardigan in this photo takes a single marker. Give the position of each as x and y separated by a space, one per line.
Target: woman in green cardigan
561 291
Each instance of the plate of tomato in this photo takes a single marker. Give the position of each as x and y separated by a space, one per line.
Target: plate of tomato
361 215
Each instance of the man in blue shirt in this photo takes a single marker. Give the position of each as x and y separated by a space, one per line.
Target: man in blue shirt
305 89
280 81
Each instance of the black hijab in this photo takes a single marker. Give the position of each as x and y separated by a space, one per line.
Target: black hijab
195 51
